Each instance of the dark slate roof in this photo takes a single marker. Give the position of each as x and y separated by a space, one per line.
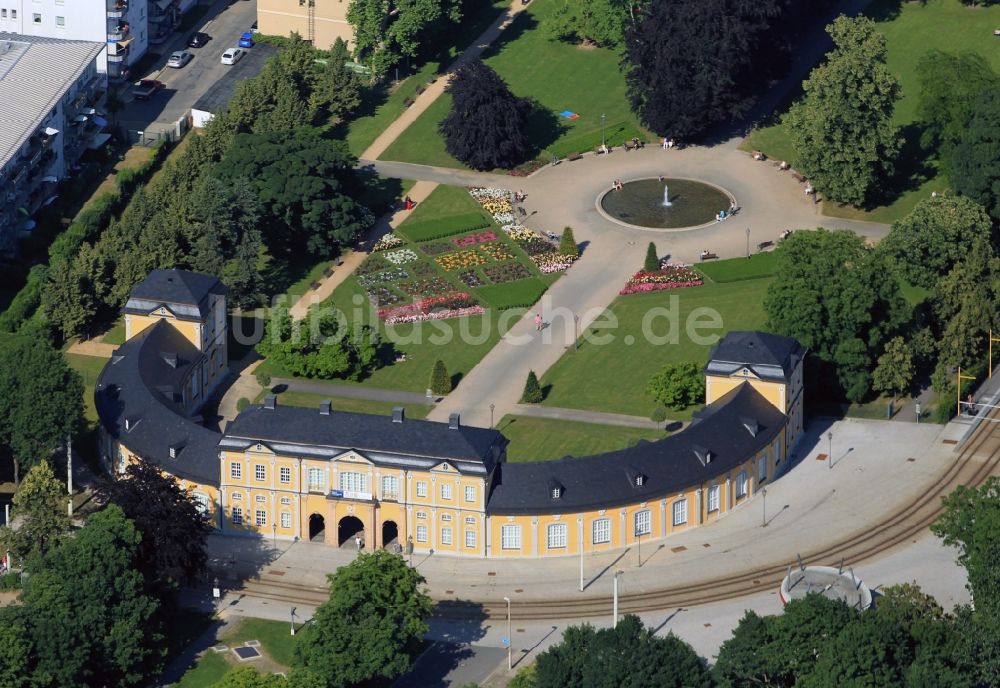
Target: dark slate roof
142 384
769 356
604 481
411 443
175 289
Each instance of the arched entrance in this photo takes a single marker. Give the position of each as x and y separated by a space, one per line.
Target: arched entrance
349 528
317 528
390 535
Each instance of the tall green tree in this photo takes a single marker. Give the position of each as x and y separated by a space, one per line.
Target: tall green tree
839 298
677 386
974 161
440 379
627 655
842 128
598 22
894 371
488 125
16 651
173 529
532 393
40 507
370 627
43 405
387 31
652 260
567 243
938 233
91 621
248 677
337 92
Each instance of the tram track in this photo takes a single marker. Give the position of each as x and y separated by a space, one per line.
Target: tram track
977 458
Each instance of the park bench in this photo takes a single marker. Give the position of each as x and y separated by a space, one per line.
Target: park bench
408 102
709 256
328 272
764 245
799 178
575 156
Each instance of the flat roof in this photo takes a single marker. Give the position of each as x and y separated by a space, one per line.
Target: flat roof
35 73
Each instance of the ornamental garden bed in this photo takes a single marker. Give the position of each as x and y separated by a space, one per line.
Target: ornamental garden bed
668 277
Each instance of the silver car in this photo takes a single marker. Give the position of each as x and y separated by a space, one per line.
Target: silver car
179 58
232 56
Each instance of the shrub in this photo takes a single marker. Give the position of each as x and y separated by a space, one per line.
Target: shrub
652 262
567 244
263 379
242 404
532 390
659 414
440 379
10 581
677 386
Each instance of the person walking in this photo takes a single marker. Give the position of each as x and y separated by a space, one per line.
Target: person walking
538 322
918 411
666 143
357 541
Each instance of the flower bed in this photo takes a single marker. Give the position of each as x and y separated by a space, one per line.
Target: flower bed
427 287
383 296
436 248
470 278
423 269
433 308
496 202
496 251
669 277
506 272
389 241
384 277
373 263
552 262
400 256
535 245
461 259
473 239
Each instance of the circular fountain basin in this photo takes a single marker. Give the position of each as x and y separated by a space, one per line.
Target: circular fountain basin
640 203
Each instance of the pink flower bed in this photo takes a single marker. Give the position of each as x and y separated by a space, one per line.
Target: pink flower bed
432 308
473 239
670 277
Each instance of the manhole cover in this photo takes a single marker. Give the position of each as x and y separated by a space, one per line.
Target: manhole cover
252 643
272 572
246 653
949 441
220 648
679 548
821 457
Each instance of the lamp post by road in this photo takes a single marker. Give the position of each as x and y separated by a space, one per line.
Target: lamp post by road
509 640
748 243
614 610
579 523
829 456
603 141
492 407
763 504
576 331
293 620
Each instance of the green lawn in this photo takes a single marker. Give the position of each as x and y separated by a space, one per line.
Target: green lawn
89 368
208 671
276 642
612 377
378 408
738 269
543 439
447 210
911 29
116 335
558 76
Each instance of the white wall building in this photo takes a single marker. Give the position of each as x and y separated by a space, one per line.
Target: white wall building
48 88
120 24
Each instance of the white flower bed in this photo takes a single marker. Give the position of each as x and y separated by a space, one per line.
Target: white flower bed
389 241
401 257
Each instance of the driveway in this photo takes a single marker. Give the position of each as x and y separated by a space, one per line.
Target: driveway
224 22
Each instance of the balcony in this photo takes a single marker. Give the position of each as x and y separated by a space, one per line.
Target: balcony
118 31
118 52
117 8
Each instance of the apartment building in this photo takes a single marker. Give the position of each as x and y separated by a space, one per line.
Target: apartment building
48 88
319 21
121 25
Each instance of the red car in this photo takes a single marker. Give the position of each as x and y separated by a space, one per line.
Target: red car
145 89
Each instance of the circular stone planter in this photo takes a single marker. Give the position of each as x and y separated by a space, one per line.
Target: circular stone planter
640 204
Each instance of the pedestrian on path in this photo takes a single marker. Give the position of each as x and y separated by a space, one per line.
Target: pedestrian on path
666 144
357 541
538 322
918 411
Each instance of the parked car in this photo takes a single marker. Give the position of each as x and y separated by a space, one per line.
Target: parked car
198 40
146 88
179 58
246 40
232 56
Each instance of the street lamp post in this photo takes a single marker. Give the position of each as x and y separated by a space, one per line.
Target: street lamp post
509 639
579 523
603 141
829 459
614 610
763 504
748 243
492 407
576 331
293 620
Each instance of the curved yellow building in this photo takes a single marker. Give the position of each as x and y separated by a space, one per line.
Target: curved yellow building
322 474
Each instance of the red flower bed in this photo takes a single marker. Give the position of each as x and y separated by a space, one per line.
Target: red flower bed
670 277
473 239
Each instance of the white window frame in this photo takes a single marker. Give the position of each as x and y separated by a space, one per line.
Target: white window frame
260 499
390 487
446 491
510 536
260 517
643 522
201 502
470 538
762 468
259 472
237 515
446 535
60 22
679 512
286 519
235 470
421 533
470 493
421 488
353 481
470 520
316 484
284 475
446 518
286 501
237 496
713 498
600 531
741 485
555 536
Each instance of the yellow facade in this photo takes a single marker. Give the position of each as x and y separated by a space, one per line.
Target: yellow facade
327 23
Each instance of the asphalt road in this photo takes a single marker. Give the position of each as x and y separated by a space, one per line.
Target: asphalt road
449 664
225 21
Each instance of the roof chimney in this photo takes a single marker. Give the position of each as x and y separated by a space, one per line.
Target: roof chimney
453 421
324 407
397 414
270 402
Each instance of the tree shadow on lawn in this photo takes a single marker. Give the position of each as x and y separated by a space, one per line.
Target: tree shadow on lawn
544 129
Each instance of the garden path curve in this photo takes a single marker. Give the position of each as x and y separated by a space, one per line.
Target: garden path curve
770 201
